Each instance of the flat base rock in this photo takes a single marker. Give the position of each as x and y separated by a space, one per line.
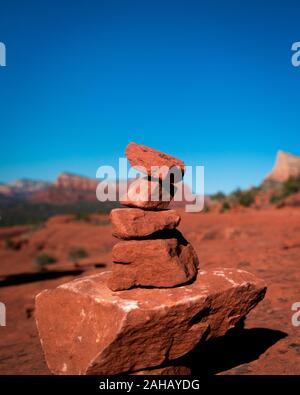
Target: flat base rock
133 223
85 328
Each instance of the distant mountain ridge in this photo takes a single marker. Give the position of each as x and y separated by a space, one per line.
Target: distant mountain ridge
71 188
68 188
22 187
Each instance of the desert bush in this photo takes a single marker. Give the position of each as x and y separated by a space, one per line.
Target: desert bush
43 260
225 207
206 209
292 185
9 244
82 217
101 221
77 253
276 197
219 196
244 198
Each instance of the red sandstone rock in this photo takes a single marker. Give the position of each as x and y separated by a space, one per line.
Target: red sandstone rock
129 223
153 263
146 158
148 195
85 328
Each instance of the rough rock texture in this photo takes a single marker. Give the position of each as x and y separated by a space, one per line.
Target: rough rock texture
129 223
142 157
153 263
286 166
85 328
148 195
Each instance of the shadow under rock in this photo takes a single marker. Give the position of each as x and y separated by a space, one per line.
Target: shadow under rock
237 347
24 278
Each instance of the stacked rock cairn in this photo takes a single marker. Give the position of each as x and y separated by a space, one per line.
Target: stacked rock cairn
153 252
146 314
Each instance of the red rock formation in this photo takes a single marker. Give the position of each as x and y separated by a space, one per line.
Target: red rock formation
286 166
73 181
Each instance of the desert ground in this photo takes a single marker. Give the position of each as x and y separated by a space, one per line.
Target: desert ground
265 242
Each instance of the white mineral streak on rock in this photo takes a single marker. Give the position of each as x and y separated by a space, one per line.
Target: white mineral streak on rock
222 274
128 305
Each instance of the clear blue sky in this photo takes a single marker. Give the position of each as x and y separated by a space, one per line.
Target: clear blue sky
210 82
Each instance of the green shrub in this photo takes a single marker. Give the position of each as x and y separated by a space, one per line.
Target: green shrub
77 253
244 198
275 198
225 207
292 185
247 198
206 209
101 222
43 260
219 196
82 217
9 244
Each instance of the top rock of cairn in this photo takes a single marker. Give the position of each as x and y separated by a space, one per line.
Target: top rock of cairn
149 160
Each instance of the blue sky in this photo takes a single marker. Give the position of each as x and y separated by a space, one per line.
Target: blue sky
210 82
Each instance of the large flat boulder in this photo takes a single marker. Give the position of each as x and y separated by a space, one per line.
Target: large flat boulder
85 328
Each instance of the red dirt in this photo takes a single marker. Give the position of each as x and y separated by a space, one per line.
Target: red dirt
265 242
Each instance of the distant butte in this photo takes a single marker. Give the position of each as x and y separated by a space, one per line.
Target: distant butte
286 166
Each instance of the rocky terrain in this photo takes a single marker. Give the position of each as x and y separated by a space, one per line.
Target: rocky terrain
263 242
